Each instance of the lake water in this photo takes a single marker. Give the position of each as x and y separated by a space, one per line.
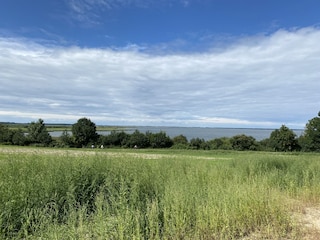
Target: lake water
198 132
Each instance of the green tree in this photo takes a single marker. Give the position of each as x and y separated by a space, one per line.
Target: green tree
243 142
114 139
180 142
159 140
283 139
310 140
84 132
181 139
264 145
199 143
5 134
220 143
18 138
38 134
138 139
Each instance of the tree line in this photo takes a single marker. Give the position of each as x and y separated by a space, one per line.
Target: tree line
84 134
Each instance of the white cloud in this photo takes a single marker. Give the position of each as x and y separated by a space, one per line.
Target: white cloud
259 81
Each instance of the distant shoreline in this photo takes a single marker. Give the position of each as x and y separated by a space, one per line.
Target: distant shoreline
53 127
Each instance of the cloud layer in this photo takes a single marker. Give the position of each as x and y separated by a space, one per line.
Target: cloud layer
261 81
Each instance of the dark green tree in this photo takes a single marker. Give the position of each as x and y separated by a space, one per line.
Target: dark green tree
199 143
310 141
180 142
138 139
181 139
220 143
159 140
243 142
84 132
264 145
283 139
38 134
5 134
114 139
18 138
122 138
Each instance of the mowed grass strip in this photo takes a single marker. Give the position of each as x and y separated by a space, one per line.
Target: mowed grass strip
153 194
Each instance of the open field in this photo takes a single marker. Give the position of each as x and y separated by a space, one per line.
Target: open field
50 193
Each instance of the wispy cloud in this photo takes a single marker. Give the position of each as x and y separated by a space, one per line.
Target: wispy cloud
260 81
88 11
85 11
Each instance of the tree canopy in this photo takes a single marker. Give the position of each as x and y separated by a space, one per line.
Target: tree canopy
38 134
310 141
84 132
243 142
283 139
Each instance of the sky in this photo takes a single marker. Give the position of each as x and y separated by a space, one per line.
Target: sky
188 63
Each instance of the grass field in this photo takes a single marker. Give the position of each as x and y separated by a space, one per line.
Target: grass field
50 193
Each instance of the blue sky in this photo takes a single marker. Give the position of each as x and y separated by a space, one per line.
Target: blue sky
226 63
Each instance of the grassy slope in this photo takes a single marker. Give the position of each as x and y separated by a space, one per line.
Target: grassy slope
153 194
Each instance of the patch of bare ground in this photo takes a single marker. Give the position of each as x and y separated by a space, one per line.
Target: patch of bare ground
306 223
308 219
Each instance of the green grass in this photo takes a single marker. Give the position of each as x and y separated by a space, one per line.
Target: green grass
152 194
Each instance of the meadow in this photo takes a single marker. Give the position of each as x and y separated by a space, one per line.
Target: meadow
48 193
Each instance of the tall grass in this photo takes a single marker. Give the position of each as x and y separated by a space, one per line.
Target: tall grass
152 194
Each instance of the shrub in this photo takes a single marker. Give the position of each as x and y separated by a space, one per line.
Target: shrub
243 142
220 143
199 143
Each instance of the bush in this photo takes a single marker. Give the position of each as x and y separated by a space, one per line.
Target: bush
243 142
181 139
264 145
199 143
220 143
65 140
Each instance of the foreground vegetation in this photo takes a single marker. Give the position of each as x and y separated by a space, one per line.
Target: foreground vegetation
48 193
